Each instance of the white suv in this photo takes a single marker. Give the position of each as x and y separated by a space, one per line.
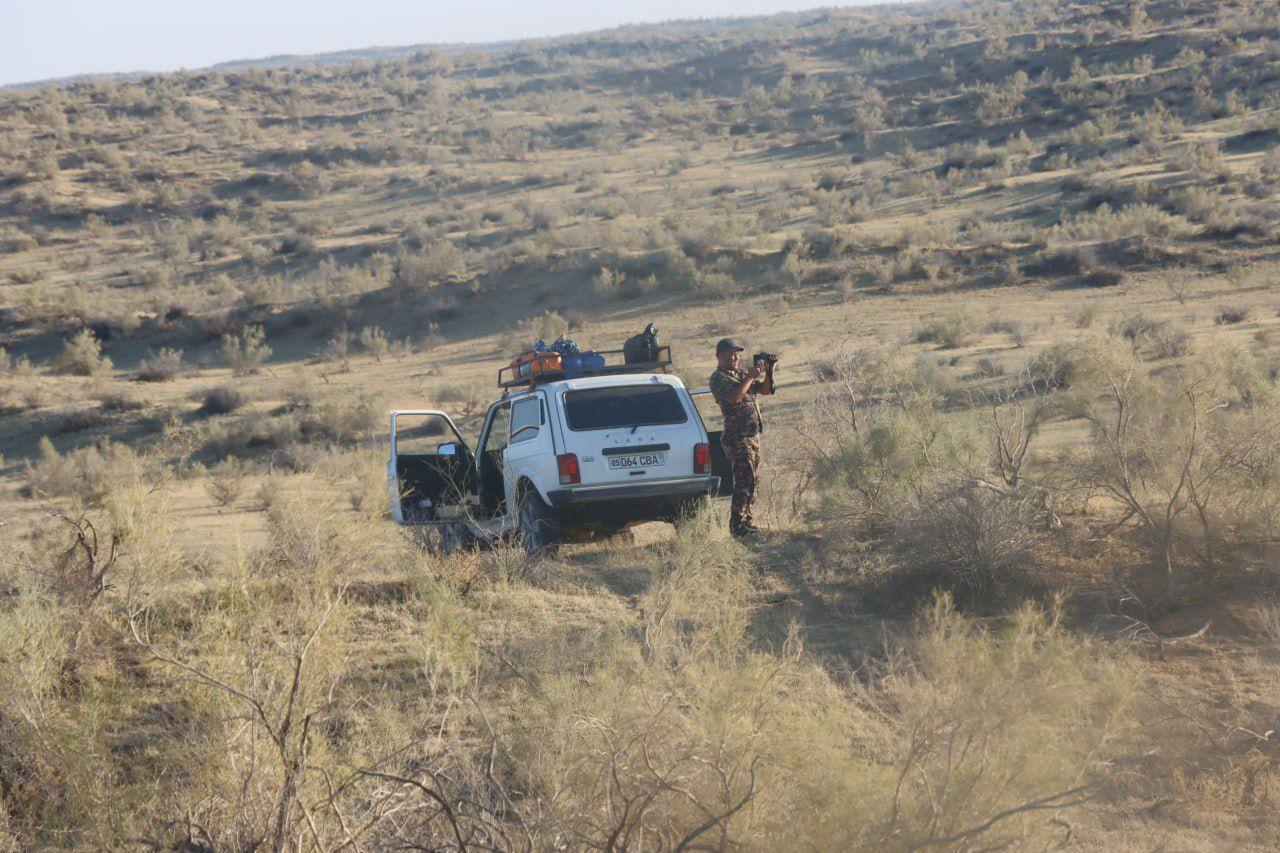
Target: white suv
556 460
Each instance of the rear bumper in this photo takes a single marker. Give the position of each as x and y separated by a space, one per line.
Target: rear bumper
657 490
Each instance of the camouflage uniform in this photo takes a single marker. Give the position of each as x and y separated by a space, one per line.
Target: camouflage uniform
741 441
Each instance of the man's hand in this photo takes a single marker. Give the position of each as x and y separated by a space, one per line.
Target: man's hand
744 387
755 373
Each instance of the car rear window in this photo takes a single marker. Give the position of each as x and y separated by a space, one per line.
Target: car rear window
623 406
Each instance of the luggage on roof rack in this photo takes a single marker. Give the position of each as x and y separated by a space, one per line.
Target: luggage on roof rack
523 366
532 368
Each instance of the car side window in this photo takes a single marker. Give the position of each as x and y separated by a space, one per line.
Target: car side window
526 419
498 429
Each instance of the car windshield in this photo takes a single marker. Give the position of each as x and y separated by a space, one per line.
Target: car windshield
623 406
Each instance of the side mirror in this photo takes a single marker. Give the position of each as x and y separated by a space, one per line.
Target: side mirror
448 449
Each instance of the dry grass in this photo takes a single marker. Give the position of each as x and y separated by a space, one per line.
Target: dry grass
676 728
210 636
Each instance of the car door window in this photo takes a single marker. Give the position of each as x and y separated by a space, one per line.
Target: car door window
499 429
526 419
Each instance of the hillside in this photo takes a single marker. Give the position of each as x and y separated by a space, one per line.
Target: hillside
1018 259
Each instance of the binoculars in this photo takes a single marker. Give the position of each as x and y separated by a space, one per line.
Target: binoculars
765 361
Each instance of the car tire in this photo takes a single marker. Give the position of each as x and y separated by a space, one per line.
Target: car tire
539 524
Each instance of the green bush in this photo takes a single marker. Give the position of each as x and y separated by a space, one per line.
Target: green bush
246 352
1057 366
949 331
86 476
160 366
82 356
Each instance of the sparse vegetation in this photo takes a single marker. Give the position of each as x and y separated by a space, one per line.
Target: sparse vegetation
246 352
1231 315
162 366
1017 588
220 401
948 331
82 356
227 482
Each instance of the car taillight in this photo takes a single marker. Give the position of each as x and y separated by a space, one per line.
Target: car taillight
702 459
568 465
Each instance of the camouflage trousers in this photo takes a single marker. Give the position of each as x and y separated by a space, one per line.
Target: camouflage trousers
744 453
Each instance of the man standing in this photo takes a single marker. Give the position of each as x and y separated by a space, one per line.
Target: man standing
735 390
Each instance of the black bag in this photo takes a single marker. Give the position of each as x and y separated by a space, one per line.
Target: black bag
642 347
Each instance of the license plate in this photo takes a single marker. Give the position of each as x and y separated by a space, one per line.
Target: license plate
637 460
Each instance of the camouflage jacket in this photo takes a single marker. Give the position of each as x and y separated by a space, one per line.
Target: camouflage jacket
741 419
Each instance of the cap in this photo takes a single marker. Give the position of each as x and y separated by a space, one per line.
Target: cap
727 344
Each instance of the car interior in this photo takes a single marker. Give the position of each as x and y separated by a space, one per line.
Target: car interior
432 465
494 445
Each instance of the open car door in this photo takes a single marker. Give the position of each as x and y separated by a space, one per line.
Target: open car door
430 466
720 465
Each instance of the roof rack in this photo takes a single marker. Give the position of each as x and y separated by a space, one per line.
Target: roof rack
509 377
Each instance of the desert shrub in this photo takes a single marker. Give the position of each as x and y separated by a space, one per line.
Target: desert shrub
1137 328
297 243
1200 204
948 331
897 453
431 340
26 275
1056 366
546 326
989 369
1135 220
466 399
10 366
1232 314
797 264
82 356
1010 272
1103 277
1012 328
79 420
226 482
86 476
958 725
1171 343
1088 313
247 713
160 366
1239 275
246 352
374 341
220 401
337 348
972 542
1070 260
116 401
545 217
338 419
607 282
440 261
262 290
1170 450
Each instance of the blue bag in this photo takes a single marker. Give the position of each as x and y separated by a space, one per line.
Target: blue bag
572 365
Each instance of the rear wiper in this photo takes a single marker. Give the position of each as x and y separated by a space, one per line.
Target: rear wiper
633 429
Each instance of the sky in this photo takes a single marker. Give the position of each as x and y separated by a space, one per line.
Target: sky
44 39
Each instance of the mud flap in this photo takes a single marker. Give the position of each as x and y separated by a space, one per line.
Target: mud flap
720 465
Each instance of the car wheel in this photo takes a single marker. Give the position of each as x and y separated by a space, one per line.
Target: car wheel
539 524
